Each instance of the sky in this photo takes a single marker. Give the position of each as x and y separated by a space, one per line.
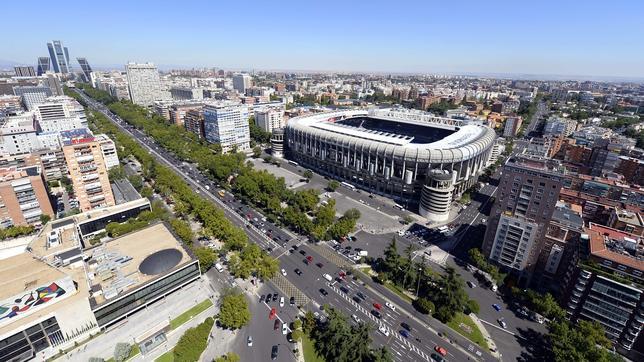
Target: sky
564 37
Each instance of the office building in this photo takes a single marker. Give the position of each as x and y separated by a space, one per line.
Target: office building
85 67
144 84
24 71
43 65
10 103
178 112
18 134
607 287
23 196
58 114
194 122
32 95
87 169
527 196
227 125
59 57
269 119
51 80
393 152
241 82
77 290
512 126
184 93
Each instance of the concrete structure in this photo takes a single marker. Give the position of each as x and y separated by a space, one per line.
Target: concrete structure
87 69
391 152
512 126
52 81
87 169
58 114
59 57
627 221
194 122
23 197
144 84
527 196
277 142
269 119
32 95
184 94
227 124
10 103
108 149
18 134
178 112
607 287
43 65
241 82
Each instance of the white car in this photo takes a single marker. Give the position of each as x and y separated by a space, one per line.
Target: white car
355 318
390 306
281 301
284 328
384 330
249 341
284 272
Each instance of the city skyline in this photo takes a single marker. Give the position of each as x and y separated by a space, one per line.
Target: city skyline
463 38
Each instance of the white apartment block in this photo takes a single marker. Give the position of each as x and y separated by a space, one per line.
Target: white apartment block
18 134
227 125
108 148
513 242
269 119
144 84
241 82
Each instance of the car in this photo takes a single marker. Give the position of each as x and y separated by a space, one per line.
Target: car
344 289
377 306
359 294
390 306
276 325
437 357
291 301
319 265
442 351
272 314
309 258
471 284
355 318
384 330
284 272
483 221
284 328
406 326
356 299
502 323
404 333
274 352
298 271
295 247
261 298
496 307
376 313
281 301
323 292
275 296
249 341
302 252
524 311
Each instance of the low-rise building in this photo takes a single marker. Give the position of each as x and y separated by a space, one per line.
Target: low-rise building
23 196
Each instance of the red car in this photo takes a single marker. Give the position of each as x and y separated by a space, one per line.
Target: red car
309 258
342 274
377 306
320 265
272 314
442 351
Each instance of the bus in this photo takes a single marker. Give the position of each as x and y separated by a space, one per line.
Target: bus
348 185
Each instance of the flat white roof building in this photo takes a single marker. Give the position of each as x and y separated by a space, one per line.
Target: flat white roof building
144 84
227 125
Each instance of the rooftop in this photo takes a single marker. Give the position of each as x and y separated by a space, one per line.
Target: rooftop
132 260
617 246
628 217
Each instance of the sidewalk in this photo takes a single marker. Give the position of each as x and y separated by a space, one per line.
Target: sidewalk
493 350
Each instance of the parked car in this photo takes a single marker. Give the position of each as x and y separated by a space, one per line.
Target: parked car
496 307
323 292
274 352
442 351
471 284
390 306
276 325
292 301
284 328
376 313
384 330
404 333
502 323
275 296
249 341
298 271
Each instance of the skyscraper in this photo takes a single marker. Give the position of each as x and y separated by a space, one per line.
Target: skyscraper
24 71
59 56
227 125
85 67
241 82
528 193
43 65
144 83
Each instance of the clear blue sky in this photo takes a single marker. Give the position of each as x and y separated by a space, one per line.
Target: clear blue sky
534 37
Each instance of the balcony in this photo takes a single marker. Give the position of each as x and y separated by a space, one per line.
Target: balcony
84 159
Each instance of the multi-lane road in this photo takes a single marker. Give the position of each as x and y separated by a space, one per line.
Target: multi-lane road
307 286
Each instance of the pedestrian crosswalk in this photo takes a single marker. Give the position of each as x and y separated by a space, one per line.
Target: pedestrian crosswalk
290 290
331 255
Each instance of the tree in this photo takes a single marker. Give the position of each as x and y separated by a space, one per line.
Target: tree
207 258
407 219
332 185
147 192
233 311
309 322
257 151
296 335
352 214
308 174
193 342
586 342
382 354
116 173
472 306
451 296
228 357
423 305
44 218
122 351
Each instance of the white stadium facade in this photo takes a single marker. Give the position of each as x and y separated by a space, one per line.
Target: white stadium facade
408 155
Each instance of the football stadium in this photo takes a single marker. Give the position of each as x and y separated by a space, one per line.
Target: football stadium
411 156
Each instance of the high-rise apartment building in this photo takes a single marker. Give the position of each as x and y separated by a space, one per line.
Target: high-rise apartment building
193 121
269 119
87 69
59 57
178 112
87 169
24 71
23 197
144 83
184 93
43 65
18 134
527 195
108 149
512 126
241 82
228 126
